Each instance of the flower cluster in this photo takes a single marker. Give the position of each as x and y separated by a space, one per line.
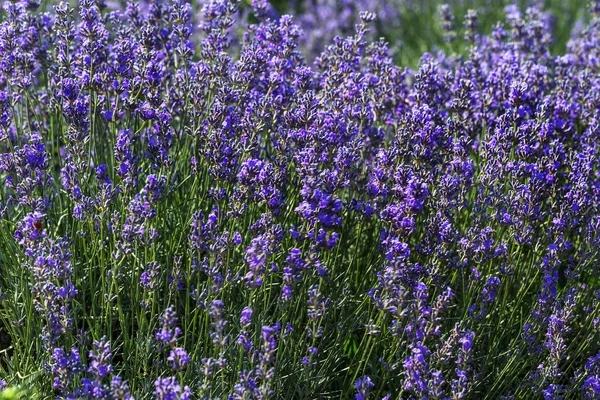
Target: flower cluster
228 203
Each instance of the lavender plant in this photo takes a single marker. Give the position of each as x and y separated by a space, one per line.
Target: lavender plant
195 211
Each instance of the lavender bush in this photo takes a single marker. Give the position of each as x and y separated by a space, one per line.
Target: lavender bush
194 211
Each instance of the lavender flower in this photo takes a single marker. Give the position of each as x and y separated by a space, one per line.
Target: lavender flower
363 387
169 389
178 358
168 332
246 318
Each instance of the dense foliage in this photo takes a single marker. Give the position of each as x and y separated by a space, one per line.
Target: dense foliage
192 210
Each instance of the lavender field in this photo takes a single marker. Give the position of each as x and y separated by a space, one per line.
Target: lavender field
240 200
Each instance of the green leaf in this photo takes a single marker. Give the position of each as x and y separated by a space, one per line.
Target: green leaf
350 346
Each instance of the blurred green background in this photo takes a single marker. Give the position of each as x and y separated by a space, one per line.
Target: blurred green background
418 28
